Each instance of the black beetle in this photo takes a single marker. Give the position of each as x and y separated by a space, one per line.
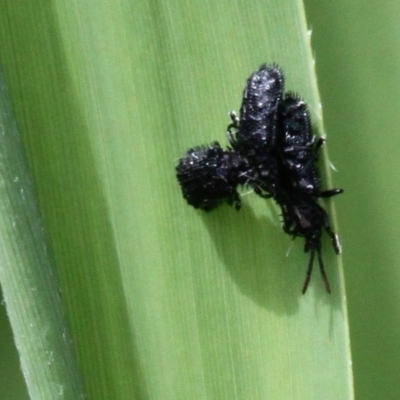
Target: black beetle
274 151
209 175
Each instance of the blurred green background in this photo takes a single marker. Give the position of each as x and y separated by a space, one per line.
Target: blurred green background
12 385
357 49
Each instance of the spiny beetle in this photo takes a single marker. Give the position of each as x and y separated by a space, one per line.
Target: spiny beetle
209 175
273 151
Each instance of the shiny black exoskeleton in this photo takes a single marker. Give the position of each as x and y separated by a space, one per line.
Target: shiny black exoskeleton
299 148
256 127
302 216
257 123
274 152
210 175
300 182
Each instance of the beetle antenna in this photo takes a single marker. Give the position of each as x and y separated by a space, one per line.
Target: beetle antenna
323 273
309 271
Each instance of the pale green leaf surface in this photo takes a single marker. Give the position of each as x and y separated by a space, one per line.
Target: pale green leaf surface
28 277
166 302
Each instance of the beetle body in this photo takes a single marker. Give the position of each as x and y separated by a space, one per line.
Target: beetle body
209 175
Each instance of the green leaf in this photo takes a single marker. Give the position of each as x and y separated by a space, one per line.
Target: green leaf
28 277
358 67
163 301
